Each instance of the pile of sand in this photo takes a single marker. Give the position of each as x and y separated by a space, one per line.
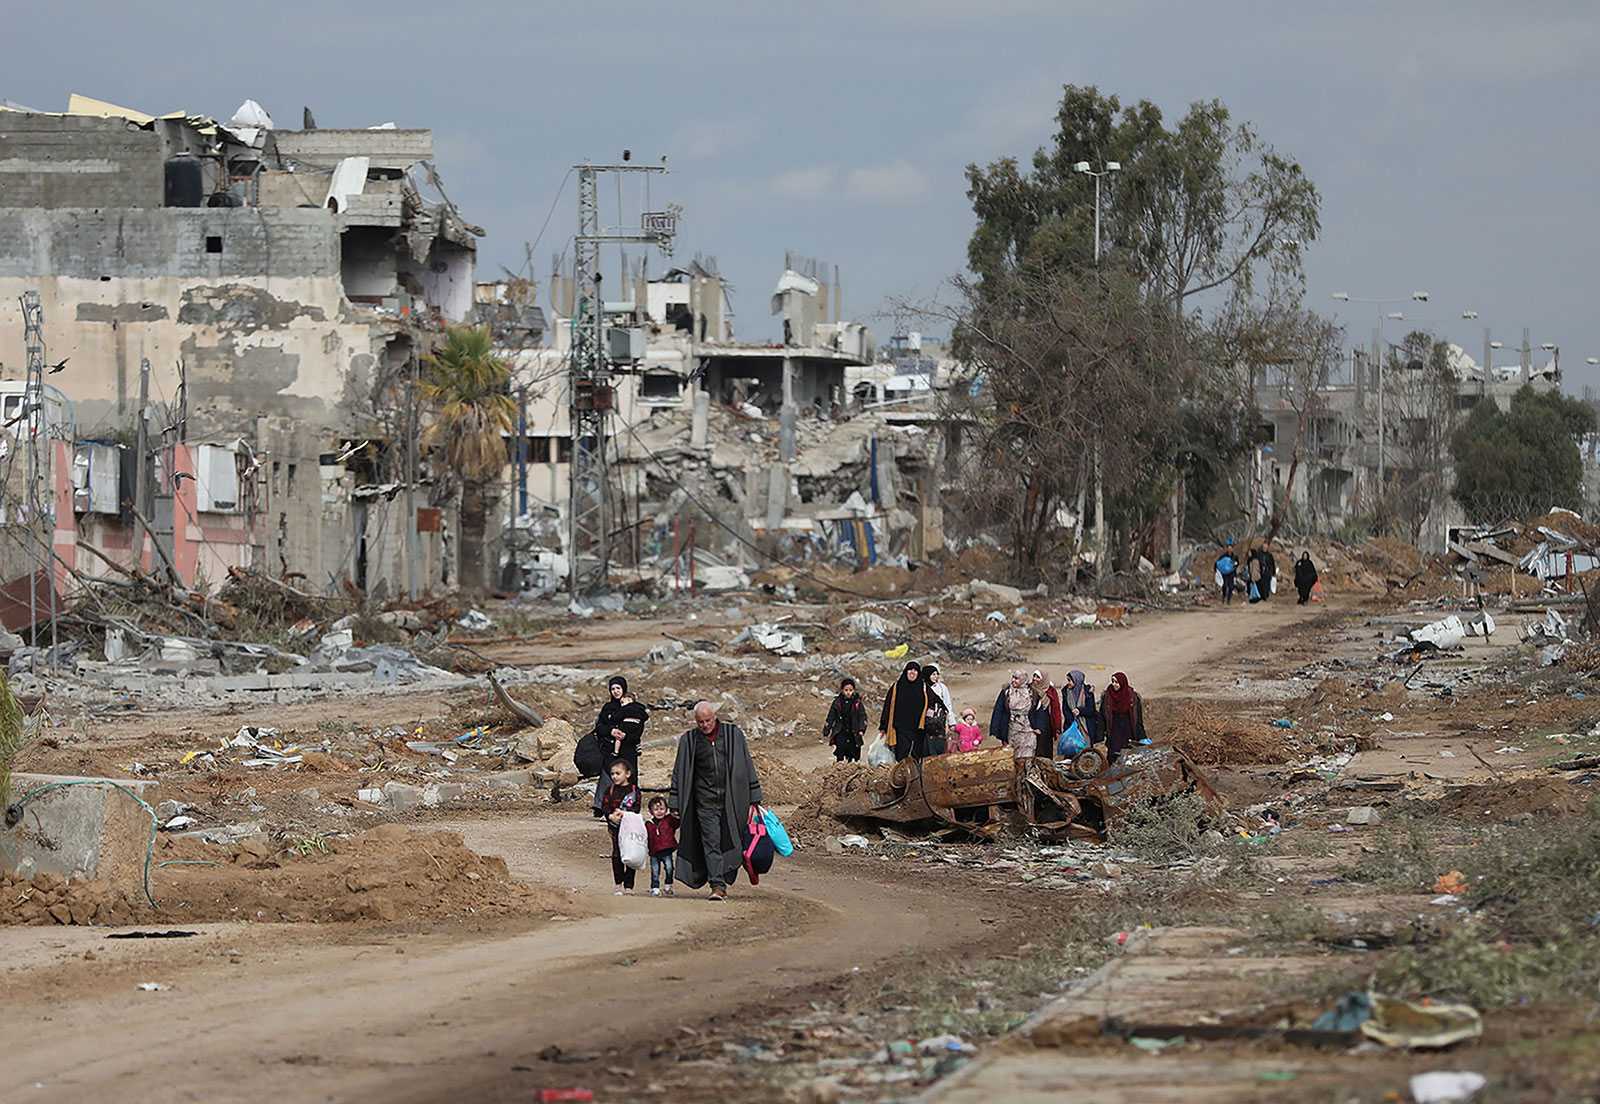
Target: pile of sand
387 874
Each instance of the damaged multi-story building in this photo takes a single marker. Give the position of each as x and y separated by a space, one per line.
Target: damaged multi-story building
765 447
253 304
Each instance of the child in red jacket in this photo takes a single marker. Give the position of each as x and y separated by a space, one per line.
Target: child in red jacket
662 830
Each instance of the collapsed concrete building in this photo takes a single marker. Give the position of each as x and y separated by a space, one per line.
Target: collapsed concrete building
764 449
253 304
1339 453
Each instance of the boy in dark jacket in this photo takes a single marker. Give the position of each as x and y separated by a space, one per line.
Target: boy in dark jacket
846 725
662 829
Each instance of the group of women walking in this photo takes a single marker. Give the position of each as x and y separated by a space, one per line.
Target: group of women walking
1031 716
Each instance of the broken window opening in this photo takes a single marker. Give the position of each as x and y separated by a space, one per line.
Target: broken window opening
367 264
660 386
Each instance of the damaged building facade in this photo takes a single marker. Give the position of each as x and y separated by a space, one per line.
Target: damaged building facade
1338 477
263 297
736 449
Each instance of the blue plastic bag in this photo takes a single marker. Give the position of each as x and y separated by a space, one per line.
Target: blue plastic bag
1072 741
777 833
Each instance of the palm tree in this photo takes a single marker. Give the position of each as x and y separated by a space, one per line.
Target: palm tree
470 386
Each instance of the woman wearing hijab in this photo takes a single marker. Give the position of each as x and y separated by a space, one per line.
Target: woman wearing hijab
1041 719
1121 717
940 710
1009 722
608 732
1078 705
905 711
1305 577
846 723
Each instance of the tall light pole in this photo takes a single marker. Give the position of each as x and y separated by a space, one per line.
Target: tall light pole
1346 297
1110 167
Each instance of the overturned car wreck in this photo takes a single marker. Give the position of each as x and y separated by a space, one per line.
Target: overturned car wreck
990 792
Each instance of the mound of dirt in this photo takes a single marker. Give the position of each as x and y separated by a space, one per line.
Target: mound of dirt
1211 740
814 813
781 784
1491 803
387 874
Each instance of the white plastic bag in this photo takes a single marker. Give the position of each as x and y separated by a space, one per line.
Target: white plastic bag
633 842
879 753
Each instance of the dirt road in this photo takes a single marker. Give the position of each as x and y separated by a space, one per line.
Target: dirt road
412 1013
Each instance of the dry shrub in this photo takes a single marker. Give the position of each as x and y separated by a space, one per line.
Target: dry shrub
1210 739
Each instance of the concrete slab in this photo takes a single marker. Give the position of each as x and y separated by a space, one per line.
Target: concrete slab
86 829
1164 975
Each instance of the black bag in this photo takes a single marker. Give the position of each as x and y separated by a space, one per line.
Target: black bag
589 758
758 848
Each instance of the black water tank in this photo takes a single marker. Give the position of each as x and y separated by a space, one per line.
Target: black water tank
185 186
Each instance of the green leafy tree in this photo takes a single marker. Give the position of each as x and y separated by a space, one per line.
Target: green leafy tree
1523 459
1133 408
469 385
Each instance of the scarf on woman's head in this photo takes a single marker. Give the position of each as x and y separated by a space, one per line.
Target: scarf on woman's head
1120 699
617 680
1075 685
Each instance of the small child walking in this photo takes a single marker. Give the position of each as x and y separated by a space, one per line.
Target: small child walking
622 797
662 828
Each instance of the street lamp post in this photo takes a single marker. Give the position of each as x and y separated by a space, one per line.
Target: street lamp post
1110 167
1346 297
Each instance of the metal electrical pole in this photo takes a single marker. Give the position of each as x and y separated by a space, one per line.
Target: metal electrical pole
36 423
590 395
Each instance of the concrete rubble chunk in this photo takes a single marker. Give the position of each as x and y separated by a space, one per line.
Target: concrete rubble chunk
1362 814
981 590
442 793
402 797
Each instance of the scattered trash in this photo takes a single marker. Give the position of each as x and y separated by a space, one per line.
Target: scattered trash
1446 1087
1283 722
1453 882
1400 1023
897 652
1444 635
153 986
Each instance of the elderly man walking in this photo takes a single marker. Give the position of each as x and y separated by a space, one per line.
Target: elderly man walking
714 789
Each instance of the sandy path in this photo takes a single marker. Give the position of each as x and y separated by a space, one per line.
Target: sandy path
347 1013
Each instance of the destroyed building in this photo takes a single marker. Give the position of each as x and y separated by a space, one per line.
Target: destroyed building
1339 454
767 439
264 297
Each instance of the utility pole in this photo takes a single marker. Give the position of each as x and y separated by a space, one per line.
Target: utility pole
590 396
410 527
141 460
36 423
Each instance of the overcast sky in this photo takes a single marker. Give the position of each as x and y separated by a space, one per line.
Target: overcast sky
1453 141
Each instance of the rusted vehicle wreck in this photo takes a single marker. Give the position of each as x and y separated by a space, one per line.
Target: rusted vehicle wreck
989 792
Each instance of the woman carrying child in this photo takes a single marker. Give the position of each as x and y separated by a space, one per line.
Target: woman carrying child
622 797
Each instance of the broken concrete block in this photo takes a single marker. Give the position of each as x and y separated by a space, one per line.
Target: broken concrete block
372 795
441 793
404 798
1105 870
509 780
1362 814
86 828
981 590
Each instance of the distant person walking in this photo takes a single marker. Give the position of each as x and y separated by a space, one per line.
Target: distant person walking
1121 717
1009 723
905 714
846 726
1269 570
1252 562
714 790
1228 569
1305 577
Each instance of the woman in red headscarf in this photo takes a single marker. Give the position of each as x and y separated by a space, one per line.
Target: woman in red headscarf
1121 717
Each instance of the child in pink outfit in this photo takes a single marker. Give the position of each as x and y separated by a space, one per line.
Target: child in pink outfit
967 731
